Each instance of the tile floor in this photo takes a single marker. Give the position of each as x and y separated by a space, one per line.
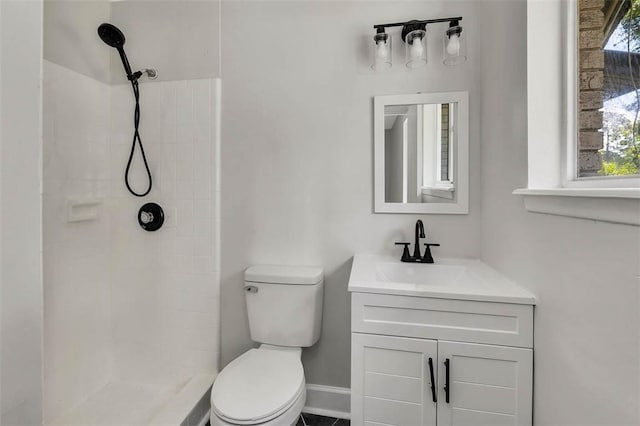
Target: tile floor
313 420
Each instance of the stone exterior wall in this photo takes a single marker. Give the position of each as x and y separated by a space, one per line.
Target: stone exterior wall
444 143
591 69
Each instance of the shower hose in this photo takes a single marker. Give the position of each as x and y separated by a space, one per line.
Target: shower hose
136 139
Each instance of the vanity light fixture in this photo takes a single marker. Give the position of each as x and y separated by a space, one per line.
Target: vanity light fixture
414 34
381 51
453 45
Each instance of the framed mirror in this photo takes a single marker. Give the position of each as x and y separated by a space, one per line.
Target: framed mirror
421 153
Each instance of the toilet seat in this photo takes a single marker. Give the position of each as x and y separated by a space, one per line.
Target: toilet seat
258 386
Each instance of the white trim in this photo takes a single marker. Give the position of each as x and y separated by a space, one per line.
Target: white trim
419 149
632 181
461 170
439 192
405 159
571 85
582 192
326 413
618 206
328 401
205 419
544 93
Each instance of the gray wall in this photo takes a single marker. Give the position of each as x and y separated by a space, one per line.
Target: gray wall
20 213
70 37
393 166
179 38
584 273
297 149
412 156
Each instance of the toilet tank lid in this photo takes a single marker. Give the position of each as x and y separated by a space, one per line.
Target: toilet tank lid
283 274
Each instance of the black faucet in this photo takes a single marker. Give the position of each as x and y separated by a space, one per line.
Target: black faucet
419 234
416 258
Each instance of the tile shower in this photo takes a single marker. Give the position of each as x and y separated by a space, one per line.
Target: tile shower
131 317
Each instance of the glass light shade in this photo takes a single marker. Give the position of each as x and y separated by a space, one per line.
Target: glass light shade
454 48
381 52
416 48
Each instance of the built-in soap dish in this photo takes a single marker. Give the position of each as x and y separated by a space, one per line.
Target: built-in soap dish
83 209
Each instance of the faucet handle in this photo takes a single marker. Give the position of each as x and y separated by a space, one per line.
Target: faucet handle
405 252
428 258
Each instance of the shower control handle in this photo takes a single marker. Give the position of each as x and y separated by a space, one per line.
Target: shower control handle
151 217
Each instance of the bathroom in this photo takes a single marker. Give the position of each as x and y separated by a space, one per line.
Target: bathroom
260 134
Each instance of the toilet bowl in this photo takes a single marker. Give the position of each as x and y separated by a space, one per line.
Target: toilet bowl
266 386
263 386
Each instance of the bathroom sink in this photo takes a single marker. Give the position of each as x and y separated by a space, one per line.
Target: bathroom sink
448 278
412 273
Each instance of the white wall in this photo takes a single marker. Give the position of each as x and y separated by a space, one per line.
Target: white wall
165 292
298 152
77 273
77 269
20 208
584 273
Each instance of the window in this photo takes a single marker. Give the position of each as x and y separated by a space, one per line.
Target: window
437 147
560 179
609 79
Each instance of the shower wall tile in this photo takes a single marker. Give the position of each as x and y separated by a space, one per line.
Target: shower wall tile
122 303
76 256
166 282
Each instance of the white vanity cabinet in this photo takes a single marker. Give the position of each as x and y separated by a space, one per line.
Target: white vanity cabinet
390 380
488 385
400 349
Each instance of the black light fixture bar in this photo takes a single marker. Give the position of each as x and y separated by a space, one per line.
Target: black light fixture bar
381 27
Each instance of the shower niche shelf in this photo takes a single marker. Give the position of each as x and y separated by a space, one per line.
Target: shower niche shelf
83 209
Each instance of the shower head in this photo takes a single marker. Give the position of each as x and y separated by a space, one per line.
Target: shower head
111 35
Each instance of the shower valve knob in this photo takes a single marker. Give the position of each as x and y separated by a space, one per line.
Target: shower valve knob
146 217
151 217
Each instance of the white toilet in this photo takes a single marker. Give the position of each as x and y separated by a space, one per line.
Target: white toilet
266 386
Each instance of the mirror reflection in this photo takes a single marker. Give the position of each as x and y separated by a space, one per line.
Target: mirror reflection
419 151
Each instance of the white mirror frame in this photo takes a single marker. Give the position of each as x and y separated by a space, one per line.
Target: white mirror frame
461 165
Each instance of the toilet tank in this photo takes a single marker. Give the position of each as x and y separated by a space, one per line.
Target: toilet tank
284 304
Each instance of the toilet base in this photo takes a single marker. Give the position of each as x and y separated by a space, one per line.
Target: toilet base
288 418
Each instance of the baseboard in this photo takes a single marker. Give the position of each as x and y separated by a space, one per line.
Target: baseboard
328 401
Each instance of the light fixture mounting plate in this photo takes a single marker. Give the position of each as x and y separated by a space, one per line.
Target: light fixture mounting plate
412 26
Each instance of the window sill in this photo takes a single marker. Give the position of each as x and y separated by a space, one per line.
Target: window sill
616 205
439 192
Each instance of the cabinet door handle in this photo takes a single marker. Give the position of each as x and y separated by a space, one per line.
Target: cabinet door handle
446 380
433 382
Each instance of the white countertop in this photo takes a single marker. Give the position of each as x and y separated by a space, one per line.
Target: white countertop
465 279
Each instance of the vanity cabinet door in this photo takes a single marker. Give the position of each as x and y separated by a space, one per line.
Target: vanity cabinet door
391 380
487 385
